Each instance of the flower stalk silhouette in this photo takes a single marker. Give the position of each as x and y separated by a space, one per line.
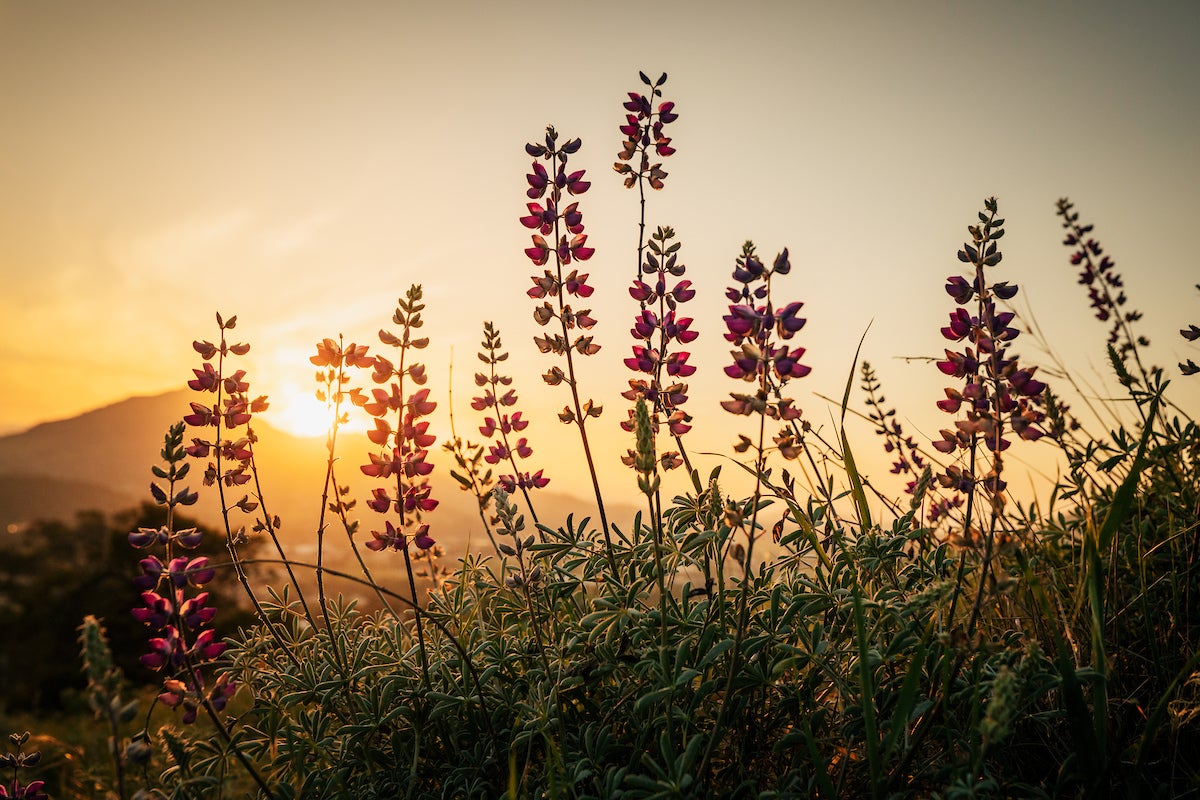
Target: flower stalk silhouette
547 183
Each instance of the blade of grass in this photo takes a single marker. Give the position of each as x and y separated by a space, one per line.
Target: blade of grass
1118 513
856 484
867 687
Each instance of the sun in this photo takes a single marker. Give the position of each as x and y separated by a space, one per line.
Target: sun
297 411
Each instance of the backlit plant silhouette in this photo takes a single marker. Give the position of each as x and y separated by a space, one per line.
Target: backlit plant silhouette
1036 648
550 218
907 458
497 399
1106 287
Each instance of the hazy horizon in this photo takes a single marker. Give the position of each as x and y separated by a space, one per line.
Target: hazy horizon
299 164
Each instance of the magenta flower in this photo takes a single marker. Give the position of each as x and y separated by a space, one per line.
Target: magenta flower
156 611
1103 282
498 395
195 612
523 480
659 331
538 180
206 379
996 394
754 326
24 791
404 441
391 538
576 284
644 129
388 538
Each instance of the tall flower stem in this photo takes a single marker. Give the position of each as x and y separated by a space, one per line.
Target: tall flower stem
237 410
401 493
1104 286
581 415
760 332
270 524
403 445
551 220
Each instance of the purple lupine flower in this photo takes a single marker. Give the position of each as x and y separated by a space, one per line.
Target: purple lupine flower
404 441
751 327
644 129
1103 282
496 394
995 390
179 618
659 330
757 331
565 247
24 791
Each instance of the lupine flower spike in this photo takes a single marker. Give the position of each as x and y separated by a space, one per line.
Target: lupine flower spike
760 333
403 449
176 612
763 358
1106 289
904 450
549 218
499 399
403 444
660 330
644 130
999 397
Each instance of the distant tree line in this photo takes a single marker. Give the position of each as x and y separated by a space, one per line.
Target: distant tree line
53 573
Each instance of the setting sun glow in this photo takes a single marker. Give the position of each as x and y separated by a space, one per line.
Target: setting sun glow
297 411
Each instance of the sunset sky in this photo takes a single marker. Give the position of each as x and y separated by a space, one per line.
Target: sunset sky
299 164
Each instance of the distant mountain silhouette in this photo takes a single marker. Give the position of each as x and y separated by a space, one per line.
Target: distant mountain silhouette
101 460
24 498
98 460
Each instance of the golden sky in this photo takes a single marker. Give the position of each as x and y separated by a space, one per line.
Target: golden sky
301 163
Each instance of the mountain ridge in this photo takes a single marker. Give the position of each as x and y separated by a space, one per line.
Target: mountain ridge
101 459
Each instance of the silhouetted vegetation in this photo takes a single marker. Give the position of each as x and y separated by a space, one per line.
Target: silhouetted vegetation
932 638
55 573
